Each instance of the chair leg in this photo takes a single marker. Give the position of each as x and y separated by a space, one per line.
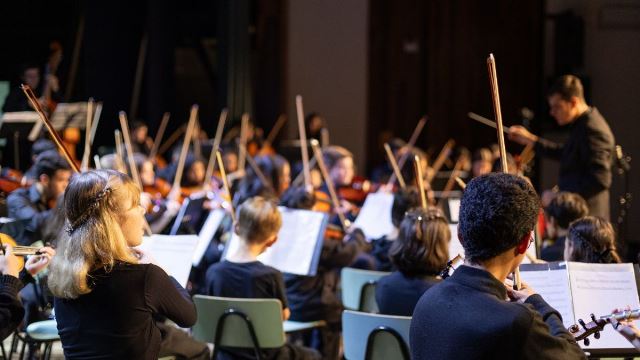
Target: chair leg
4 353
14 344
24 345
47 350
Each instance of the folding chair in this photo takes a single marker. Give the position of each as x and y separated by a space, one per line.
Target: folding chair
358 289
375 336
243 323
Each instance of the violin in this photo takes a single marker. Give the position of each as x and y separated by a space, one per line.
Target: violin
596 325
357 191
446 272
323 202
160 189
188 191
18 250
10 180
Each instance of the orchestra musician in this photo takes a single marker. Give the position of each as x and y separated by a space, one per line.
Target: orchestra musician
340 166
108 294
467 316
419 254
33 206
276 171
30 75
241 275
591 240
140 140
12 310
313 298
561 211
586 157
481 162
403 201
38 147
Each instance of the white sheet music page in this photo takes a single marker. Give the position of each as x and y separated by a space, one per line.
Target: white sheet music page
455 247
552 283
598 289
454 209
209 228
174 254
297 242
375 215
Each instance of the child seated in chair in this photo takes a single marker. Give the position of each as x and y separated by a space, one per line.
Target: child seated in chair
241 275
591 240
565 208
403 200
420 253
314 298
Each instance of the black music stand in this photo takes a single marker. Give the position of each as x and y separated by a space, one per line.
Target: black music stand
14 128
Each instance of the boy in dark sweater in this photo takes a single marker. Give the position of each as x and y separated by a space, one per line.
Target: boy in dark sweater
467 316
241 275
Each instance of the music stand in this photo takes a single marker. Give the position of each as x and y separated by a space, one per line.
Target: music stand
66 115
190 218
14 127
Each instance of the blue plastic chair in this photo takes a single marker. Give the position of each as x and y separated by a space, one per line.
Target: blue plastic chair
358 289
374 336
37 333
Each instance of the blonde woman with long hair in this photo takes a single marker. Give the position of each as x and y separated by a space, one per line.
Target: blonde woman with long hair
107 295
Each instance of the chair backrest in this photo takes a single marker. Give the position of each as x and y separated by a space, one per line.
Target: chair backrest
375 336
4 91
358 289
265 315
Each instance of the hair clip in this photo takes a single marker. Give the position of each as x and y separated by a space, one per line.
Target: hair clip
102 194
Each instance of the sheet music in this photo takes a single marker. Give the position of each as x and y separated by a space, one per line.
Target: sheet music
70 115
375 215
553 284
297 250
455 247
172 253
598 289
454 209
209 228
20 117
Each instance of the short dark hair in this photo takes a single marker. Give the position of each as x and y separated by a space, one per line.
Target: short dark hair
512 166
422 246
567 86
26 66
42 145
593 240
497 210
49 162
137 124
403 200
482 154
272 167
567 207
334 153
297 197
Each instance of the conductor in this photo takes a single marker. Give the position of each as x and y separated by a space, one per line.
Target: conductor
586 157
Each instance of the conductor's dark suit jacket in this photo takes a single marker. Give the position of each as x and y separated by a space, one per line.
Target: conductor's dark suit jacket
467 317
585 160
